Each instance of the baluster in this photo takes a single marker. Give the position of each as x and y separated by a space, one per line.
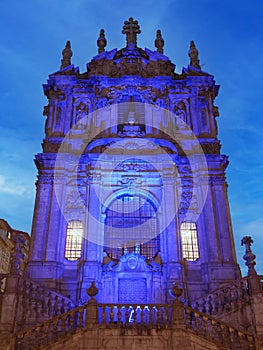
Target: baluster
133 315
214 329
164 314
139 314
205 327
44 340
197 325
188 319
126 314
103 314
115 314
37 302
19 341
49 304
209 328
158 315
63 306
25 341
250 342
223 334
81 316
48 333
143 318
232 339
55 329
150 315
110 314
30 341
119 315
216 303
210 305
72 322
204 310
240 344
56 306
63 325
197 306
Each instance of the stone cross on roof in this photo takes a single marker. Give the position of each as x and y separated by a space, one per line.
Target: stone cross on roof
131 28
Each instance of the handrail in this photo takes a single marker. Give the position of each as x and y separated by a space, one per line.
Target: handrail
119 315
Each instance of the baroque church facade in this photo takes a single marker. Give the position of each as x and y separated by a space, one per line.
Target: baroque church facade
132 243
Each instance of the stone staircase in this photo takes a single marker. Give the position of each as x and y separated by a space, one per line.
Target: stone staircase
175 320
34 303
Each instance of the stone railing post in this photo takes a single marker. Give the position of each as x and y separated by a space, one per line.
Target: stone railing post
9 314
92 306
253 278
178 339
177 307
178 314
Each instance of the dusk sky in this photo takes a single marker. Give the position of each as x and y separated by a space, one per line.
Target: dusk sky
229 37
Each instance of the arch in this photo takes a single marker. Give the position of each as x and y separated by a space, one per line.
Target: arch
131 225
133 191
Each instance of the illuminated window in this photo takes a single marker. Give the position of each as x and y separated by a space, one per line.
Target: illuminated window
131 225
73 240
189 241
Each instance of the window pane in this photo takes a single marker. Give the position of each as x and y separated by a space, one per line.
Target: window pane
74 240
137 227
189 241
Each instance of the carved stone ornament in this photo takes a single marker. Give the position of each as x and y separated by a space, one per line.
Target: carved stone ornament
101 42
193 55
159 42
211 147
128 181
92 290
176 292
66 54
131 61
133 167
131 28
75 200
249 257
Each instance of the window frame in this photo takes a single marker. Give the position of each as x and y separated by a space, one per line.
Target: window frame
189 241
74 240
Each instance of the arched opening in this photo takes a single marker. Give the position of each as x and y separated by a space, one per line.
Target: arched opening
131 225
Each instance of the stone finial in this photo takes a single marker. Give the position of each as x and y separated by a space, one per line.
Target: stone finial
66 56
193 54
131 28
159 42
249 257
101 42
176 291
92 290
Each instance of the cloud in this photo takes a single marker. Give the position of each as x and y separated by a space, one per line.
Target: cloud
6 186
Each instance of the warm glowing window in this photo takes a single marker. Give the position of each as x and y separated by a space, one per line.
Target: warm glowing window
74 240
189 241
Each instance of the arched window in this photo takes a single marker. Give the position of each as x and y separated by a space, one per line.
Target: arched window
189 241
74 240
131 225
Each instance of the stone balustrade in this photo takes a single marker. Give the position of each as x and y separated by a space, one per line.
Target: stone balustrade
50 331
217 331
128 314
38 303
125 315
227 298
